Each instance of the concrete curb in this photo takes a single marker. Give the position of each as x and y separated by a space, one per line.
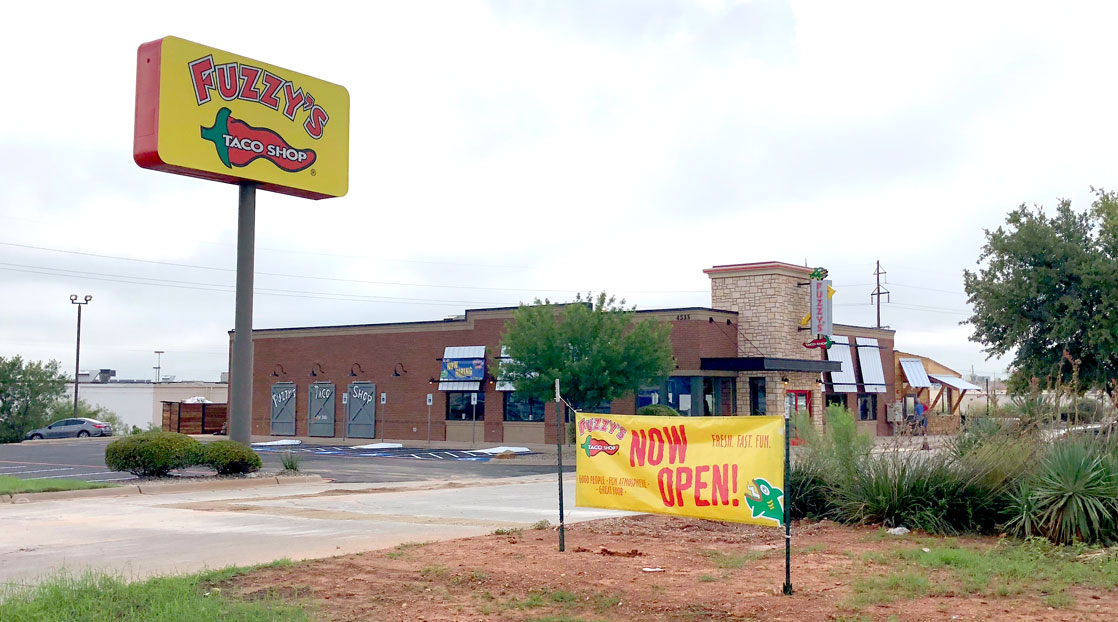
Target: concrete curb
119 491
162 488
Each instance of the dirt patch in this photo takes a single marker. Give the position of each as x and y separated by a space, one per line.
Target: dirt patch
657 568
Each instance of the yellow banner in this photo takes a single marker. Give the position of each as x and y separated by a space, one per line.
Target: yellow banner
718 468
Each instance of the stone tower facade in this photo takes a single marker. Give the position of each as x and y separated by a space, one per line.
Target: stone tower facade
770 298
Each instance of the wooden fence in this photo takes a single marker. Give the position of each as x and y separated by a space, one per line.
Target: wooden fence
194 418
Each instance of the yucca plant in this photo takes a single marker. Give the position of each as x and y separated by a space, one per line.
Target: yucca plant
1021 511
1076 493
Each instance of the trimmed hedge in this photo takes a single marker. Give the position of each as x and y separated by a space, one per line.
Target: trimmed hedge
658 410
153 454
230 458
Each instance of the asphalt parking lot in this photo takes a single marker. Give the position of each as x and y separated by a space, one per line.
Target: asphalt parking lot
84 459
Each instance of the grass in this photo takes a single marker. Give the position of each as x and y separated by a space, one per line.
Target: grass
731 560
508 532
95 597
1007 569
403 549
14 485
291 462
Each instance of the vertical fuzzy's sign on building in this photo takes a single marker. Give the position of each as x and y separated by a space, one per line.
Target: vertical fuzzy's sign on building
718 468
206 113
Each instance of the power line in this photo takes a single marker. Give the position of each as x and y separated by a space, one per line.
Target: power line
325 278
228 289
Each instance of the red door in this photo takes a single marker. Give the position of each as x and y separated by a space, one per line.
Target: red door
797 402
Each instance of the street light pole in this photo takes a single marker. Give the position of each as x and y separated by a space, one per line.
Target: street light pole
78 353
158 365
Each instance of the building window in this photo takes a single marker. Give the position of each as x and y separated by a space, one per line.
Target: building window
867 407
648 396
459 408
757 396
835 399
519 408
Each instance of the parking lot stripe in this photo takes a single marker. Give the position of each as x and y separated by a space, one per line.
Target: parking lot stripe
40 471
69 475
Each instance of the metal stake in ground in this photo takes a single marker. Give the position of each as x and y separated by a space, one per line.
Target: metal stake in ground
240 381
787 504
559 459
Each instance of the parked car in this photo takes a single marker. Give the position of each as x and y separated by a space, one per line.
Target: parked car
65 428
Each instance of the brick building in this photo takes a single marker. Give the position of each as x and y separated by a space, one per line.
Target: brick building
743 355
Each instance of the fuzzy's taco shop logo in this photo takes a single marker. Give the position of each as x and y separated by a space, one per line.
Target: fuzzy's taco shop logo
241 82
239 143
594 446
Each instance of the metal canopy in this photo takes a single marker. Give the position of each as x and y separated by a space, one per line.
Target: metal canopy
767 363
844 380
954 382
462 352
869 355
914 373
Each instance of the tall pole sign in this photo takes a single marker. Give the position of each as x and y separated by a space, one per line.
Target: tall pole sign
206 113
822 324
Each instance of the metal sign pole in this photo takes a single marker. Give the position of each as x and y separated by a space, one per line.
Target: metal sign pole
787 504
559 460
473 426
240 381
429 400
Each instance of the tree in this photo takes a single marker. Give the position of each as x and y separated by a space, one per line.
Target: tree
1049 294
593 346
26 392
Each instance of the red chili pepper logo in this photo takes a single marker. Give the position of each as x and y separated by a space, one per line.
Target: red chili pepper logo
593 447
238 143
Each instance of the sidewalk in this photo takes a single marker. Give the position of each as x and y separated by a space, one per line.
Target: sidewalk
143 535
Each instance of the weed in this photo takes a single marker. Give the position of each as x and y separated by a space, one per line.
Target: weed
562 596
541 524
730 560
291 462
477 575
604 603
508 532
1059 600
706 578
431 572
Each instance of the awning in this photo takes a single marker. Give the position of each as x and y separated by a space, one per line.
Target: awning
954 382
766 363
914 373
844 380
869 356
462 352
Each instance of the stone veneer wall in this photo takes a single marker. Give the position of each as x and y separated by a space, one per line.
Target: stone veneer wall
770 304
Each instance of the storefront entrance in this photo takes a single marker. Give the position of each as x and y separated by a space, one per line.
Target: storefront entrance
797 402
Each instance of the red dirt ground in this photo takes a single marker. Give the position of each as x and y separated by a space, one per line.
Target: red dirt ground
601 576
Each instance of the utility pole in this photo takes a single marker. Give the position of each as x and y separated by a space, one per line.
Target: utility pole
78 354
158 365
878 291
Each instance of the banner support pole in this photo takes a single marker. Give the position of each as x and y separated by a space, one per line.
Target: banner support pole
559 460
787 504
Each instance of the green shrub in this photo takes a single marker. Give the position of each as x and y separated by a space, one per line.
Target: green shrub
919 491
658 410
807 492
153 454
1075 493
230 458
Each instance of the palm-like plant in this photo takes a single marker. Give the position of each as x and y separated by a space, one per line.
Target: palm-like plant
1075 493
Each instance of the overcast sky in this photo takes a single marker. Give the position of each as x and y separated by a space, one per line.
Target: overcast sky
502 151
